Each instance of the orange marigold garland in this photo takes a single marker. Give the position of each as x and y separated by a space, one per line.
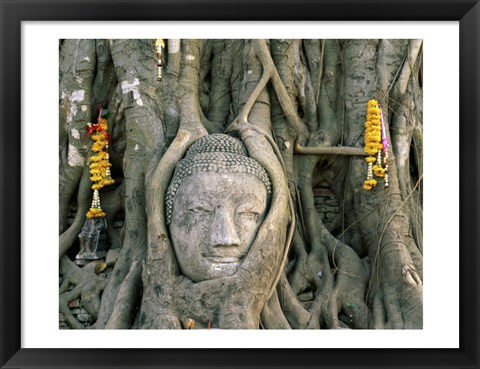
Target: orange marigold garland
99 163
376 142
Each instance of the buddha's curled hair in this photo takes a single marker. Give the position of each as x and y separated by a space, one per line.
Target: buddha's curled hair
218 153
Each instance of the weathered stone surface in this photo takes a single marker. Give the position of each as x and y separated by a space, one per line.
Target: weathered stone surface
92 240
217 200
332 201
330 216
319 201
84 318
325 209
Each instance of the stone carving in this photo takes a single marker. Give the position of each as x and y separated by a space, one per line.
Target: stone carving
92 241
215 204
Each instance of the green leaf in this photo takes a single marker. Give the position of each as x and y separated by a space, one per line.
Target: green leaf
100 267
105 113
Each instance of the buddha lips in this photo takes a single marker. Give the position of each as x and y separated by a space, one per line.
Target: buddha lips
99 163
376 142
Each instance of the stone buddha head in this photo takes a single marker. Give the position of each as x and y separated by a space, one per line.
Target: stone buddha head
216 202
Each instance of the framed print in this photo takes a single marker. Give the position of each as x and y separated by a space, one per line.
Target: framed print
252 201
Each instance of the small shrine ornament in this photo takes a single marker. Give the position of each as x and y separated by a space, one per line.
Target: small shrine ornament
376 144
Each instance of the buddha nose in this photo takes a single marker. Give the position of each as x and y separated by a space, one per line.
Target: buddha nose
223 231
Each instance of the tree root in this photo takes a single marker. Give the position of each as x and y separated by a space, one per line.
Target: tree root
298 279
394 273
144 134
332 150
350 284
64 300
160 266
272 316
67 237
314 52
220 98
88 286
128 293
404 78
296 315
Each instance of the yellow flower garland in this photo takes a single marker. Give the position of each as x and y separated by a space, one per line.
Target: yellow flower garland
369 184
379 171
373 144
99 165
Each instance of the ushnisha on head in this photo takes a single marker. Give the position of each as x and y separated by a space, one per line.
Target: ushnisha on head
215 204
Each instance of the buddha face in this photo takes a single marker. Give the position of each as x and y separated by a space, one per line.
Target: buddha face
215 218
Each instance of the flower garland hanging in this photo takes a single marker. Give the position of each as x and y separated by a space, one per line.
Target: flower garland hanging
385 150
99 163
159 47
375 142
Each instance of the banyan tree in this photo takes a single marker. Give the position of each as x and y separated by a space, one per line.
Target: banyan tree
272 184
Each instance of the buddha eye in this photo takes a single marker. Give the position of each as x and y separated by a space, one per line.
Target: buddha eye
249 215
202 208
199 210
248 211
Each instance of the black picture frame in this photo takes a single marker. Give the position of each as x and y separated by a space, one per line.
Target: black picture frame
12 15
